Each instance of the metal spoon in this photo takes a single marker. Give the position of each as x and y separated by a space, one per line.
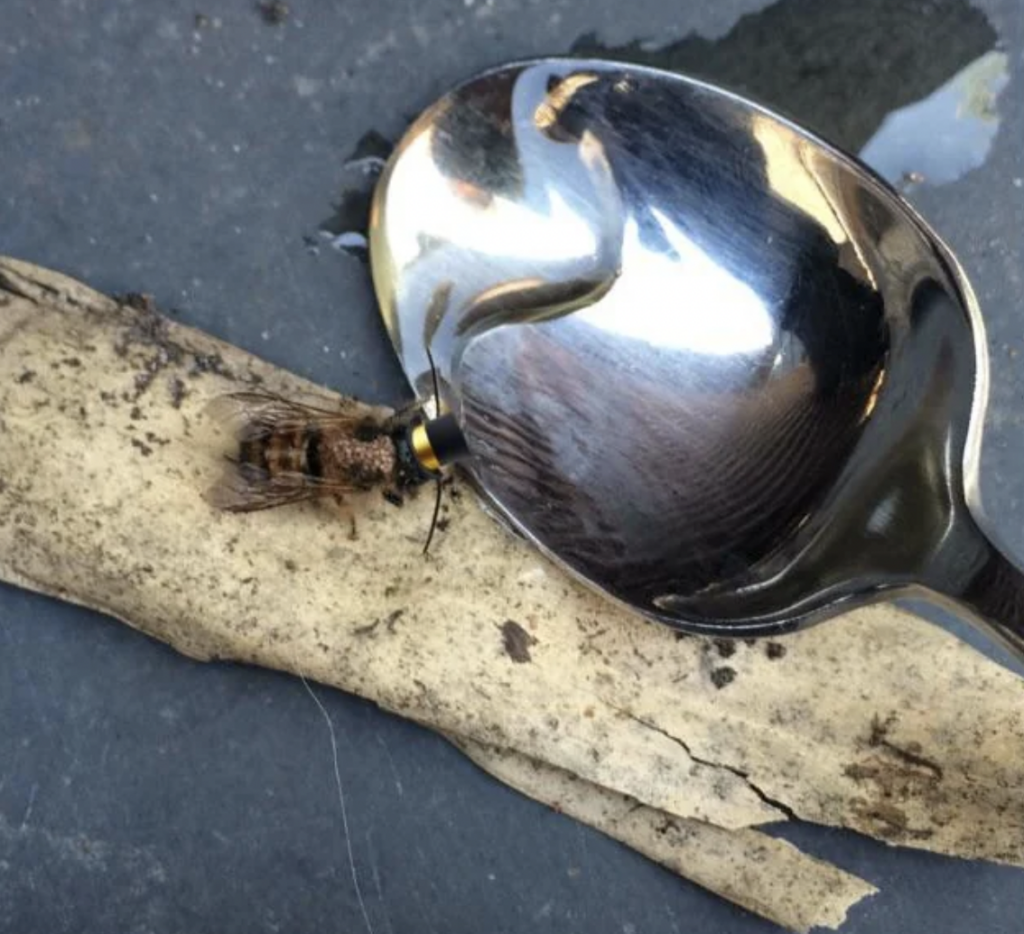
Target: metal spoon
707 362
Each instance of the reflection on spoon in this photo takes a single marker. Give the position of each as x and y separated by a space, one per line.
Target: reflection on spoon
767 408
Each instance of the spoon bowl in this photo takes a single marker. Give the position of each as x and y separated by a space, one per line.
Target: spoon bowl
708 363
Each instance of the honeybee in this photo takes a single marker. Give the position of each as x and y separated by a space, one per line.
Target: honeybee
289 452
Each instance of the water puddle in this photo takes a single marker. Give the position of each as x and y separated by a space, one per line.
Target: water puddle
943 136
346 228
911 88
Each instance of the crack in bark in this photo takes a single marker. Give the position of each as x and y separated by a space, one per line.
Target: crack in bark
18 284
22 284
880 738
10 285
784 809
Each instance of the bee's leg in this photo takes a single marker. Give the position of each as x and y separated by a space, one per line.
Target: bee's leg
353 531
407 410
405 415
345 511
394 496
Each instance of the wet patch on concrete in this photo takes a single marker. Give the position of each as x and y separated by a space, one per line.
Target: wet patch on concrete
346 228
912 88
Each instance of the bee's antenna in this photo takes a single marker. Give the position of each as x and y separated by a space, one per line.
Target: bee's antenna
434 380
433 521
437 412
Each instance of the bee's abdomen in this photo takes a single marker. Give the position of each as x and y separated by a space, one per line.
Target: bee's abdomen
253 453
281 453
311 443
308 454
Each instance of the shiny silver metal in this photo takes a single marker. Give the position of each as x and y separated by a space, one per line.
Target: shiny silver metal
710 364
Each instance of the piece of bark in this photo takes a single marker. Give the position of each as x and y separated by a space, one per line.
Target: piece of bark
769 877
879 722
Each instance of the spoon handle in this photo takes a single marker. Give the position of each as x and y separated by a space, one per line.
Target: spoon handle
997 594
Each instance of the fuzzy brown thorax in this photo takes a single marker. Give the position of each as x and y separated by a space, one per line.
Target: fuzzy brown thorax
365 464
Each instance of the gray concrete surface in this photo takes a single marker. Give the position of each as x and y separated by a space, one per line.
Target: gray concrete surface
141 792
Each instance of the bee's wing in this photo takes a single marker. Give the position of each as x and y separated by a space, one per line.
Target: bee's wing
252 417
244 487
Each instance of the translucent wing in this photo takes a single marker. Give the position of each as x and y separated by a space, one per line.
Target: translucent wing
250 415
270 433
242 487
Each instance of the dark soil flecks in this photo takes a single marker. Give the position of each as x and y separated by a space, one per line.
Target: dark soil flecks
516 641
720 677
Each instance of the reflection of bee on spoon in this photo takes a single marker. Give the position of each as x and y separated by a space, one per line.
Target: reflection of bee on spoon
289 452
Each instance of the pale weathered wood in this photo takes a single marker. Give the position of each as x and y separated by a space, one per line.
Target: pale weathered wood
878 722
767 876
